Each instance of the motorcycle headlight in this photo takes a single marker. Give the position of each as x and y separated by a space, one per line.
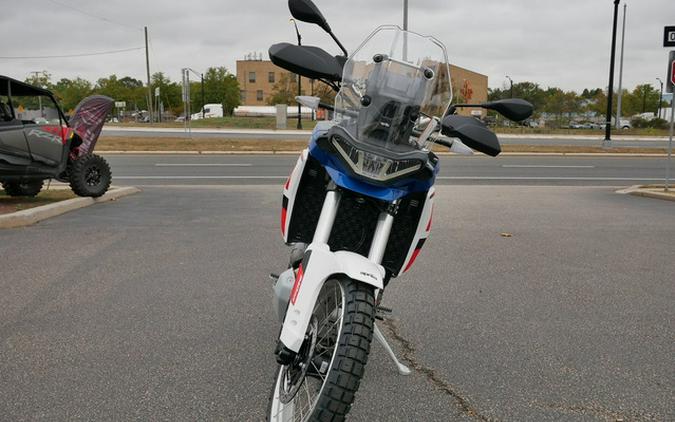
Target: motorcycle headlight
372 165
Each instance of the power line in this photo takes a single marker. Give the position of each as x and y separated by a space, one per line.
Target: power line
100 53
95 16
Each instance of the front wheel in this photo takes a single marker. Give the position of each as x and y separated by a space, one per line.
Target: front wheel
320 383
89 175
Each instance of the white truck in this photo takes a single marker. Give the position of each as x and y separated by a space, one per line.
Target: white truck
209 111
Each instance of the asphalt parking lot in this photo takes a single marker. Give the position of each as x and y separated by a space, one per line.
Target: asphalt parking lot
158 307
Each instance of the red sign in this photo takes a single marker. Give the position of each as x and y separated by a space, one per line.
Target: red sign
672 72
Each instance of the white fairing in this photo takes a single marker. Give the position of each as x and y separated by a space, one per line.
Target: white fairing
322 265
423 230
290 190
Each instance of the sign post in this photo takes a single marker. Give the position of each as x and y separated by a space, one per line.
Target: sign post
671 84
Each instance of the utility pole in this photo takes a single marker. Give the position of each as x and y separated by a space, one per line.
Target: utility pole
203 103
608 134
658 107
618 102
147 69
511 81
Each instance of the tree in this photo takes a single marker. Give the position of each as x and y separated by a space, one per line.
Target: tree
644 98
325 93
285 90
220 87
40 79
169 92
70 92
127 89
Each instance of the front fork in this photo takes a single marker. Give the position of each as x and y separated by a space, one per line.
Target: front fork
286 349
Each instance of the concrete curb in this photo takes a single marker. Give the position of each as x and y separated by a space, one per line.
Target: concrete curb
37 214
560 154
644 191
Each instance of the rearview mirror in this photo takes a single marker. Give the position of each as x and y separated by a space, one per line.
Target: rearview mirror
472 132
306 11
513 109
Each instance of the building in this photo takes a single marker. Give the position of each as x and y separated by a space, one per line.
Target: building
257 78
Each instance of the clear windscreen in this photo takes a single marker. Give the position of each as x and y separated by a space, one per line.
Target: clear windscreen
393 80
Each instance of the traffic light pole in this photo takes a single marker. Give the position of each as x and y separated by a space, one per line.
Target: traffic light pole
670 137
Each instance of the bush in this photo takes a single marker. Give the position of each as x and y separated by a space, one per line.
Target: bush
640 123
659 123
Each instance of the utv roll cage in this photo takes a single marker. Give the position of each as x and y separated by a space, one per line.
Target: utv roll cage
11 87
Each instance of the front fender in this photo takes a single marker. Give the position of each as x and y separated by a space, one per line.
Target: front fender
318 265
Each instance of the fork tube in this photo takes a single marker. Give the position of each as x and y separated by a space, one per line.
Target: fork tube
381 236
327 217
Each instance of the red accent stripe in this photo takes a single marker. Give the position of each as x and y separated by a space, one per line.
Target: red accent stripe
283 221
412 259
430 218
288 182
296 285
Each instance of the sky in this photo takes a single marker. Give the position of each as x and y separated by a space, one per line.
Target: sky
553 43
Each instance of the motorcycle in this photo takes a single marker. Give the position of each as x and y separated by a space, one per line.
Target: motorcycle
357 207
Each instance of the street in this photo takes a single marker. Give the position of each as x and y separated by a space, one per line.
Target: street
163 169
157 306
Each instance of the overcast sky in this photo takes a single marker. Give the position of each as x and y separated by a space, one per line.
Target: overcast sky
554 43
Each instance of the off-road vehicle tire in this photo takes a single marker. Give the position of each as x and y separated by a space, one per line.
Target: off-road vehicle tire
28 188
89 175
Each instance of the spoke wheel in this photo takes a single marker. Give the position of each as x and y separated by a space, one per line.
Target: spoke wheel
336 346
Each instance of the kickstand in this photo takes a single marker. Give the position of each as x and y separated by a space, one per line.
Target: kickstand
402 369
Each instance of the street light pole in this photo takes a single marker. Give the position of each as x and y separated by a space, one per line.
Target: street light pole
618 102
658 107
510 80
608 135
299 78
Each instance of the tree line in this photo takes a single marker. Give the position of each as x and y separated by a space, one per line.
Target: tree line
564 106
557 106
220 87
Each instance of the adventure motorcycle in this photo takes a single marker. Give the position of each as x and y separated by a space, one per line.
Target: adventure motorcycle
357 207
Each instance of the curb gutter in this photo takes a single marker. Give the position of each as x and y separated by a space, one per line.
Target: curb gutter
37 214
647 192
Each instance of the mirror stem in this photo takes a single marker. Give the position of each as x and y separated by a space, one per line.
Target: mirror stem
342 47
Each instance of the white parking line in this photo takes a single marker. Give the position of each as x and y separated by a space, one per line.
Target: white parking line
202 165
534 166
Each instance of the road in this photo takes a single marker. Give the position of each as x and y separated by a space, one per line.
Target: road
165 169
304 135
158 307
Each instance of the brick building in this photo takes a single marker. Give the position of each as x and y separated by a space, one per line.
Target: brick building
257 78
